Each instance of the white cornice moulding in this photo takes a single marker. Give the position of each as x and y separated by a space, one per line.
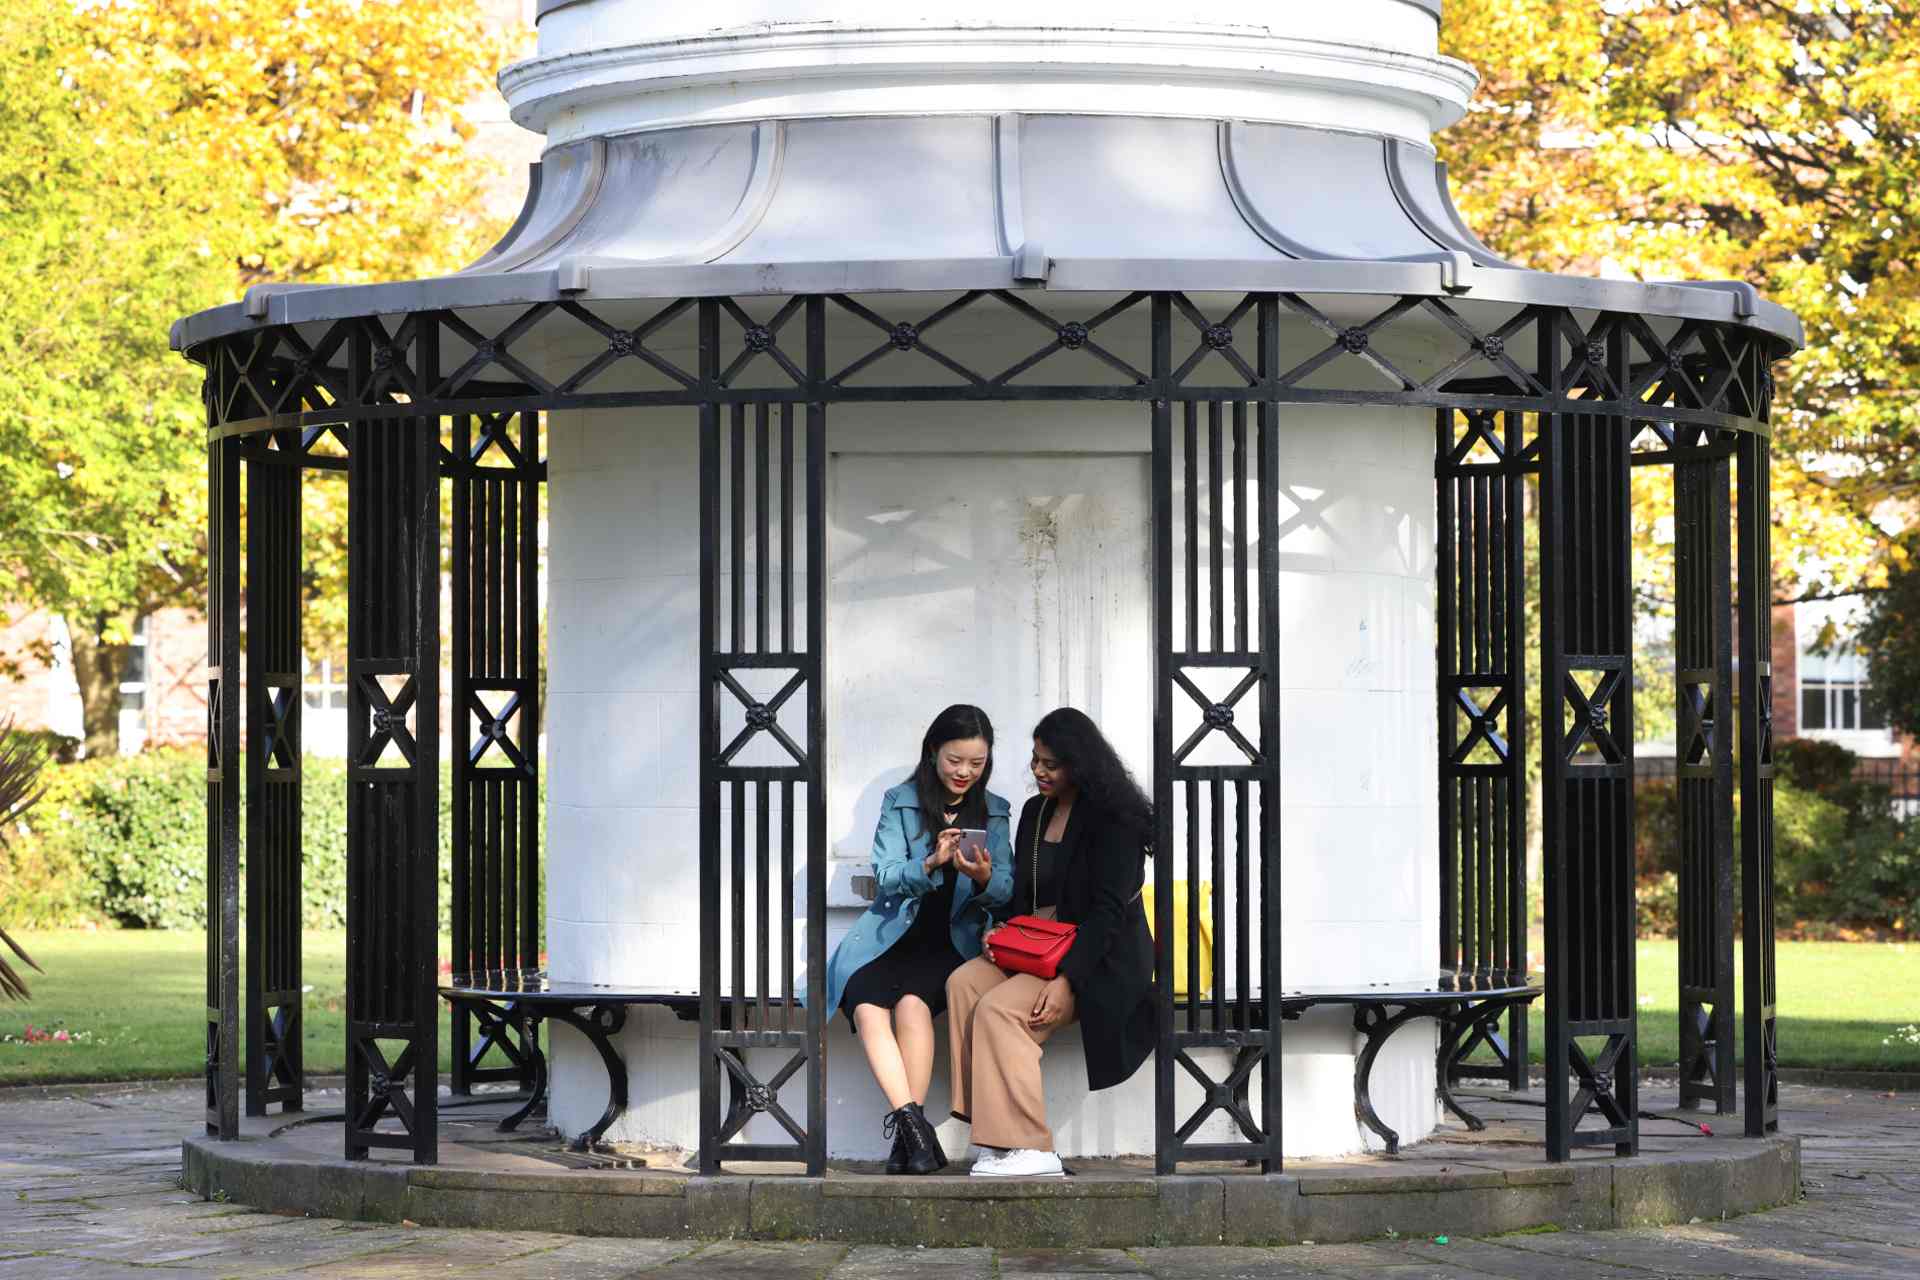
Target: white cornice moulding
815 71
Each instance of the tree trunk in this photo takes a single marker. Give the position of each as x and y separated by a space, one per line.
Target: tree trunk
96 669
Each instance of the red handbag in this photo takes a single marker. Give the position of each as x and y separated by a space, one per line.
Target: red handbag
1033 944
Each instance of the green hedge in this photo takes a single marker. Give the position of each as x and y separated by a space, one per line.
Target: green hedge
123 840
1841 854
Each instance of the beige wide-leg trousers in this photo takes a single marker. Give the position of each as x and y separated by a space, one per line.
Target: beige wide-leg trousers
995 1055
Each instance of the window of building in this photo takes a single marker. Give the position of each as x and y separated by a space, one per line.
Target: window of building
134 689
1836 696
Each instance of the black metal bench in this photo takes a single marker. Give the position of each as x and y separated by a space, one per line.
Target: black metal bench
1468 1007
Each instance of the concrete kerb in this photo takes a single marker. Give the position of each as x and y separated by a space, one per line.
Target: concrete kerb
1229 1208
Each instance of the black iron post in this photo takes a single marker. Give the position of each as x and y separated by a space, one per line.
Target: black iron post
274 1013
223 790
1162 469
1703 641
1271 978
1481 634
710 849
393 699
495 479
1760 1100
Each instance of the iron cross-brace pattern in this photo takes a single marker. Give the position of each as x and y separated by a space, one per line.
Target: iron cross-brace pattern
1566 399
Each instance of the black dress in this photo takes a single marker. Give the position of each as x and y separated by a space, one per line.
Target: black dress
920 963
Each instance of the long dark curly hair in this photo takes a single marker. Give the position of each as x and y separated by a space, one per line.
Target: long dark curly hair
957 722
1098 774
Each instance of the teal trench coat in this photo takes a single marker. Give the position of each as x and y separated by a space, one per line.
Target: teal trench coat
901 844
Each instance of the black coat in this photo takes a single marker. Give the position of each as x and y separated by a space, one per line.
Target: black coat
1110 966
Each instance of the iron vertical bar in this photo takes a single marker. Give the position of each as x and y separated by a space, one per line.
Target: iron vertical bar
1720 602
1190 486
1515 638
223 986
531 708
762 469
1553 781
1216 526
709 355
816 739
423 892
1270 741
1445 651
1161 411
1754 672
460 560
1240 620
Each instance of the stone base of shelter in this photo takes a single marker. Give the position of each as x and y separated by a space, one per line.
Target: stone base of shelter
1458 1184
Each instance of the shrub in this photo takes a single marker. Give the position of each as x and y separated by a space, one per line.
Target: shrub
1841 856
123 839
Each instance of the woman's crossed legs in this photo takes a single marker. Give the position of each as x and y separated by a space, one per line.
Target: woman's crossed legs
899 1048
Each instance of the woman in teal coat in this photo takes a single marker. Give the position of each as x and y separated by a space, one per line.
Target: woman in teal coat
930 908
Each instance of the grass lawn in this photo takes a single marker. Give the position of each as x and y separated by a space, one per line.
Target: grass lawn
138 996
136 999
1839 1003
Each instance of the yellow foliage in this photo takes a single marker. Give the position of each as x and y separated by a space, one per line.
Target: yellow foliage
1731 139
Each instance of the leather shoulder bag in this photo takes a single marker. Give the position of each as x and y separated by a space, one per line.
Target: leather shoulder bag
1031 943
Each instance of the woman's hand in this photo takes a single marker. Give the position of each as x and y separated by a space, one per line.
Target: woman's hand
943 847
980 870
1053 1005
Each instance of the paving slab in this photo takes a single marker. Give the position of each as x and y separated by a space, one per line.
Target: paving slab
102 1199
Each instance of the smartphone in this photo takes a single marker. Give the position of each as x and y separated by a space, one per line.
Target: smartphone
972 845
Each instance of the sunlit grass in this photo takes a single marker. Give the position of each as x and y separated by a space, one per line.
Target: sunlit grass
1840 1002
139 998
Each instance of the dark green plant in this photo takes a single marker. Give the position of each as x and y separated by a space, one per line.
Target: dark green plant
20 788
1890 637
123 839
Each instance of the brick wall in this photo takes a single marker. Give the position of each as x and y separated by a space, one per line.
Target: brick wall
1786 673
176 677
34 693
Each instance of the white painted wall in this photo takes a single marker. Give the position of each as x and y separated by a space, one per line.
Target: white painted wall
997 554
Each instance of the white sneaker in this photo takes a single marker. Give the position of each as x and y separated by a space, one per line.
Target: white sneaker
985 1158
1023 1163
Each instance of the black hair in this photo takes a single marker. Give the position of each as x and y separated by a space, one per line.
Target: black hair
957 722
1098 775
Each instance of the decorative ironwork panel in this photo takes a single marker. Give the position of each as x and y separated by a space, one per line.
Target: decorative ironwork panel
222 1029
393 663
1216 772
762 750
493 467
274 1021
1587 775
1761 1100
1705 374
1703 644
1482 636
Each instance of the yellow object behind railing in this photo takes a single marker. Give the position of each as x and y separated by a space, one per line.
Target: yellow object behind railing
1181 986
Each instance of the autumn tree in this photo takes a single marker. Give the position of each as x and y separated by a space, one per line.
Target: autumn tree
1890 637
1729 139
156 156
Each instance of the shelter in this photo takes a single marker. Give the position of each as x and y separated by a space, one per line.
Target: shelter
1156 350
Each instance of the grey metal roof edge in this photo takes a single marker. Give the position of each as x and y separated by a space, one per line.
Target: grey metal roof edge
520 221
544 7
1446 276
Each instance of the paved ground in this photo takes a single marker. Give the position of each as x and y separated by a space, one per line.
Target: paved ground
89 1187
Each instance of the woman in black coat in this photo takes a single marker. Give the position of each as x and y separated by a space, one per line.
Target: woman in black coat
1079 857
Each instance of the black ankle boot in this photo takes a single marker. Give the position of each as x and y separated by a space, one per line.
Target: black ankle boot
924 1155
894 1126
